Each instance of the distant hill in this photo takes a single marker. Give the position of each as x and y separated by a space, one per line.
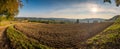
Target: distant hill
114 18
87 20
90 20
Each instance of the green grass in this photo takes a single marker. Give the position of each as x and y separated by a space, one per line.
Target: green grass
108 39
21 41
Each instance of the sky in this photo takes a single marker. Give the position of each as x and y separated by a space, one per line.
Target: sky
73 9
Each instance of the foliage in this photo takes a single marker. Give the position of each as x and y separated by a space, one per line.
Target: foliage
20 41
10 8
2 18
50 22
77 21
116 1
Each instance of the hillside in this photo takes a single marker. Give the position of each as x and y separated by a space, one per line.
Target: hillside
114 18
107 39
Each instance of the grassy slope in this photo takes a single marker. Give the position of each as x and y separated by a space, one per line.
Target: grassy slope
108 39
20 41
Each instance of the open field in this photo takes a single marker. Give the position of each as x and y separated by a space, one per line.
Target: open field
61 35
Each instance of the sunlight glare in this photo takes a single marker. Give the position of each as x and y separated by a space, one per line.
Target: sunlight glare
94 10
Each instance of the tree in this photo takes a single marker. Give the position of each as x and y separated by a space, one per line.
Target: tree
77 21
10 8
2 18
116 1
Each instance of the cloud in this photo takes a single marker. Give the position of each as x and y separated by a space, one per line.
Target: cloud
83 10
78 10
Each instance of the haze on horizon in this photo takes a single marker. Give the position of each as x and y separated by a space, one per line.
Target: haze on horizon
76 9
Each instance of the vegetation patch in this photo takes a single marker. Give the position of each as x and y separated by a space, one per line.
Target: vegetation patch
20 41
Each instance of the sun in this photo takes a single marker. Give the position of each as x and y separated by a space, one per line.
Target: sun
94 10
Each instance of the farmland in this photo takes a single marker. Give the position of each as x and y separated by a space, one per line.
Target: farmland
32 35
61 35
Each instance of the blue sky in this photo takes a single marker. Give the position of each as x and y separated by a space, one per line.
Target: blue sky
76 9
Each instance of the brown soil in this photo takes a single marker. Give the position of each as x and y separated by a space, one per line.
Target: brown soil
61 35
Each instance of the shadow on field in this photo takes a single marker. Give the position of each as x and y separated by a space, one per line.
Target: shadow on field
5 44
